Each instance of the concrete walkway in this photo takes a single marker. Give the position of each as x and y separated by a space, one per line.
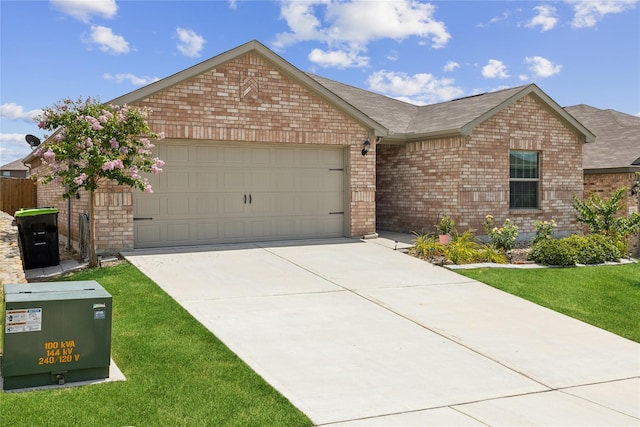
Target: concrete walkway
357 334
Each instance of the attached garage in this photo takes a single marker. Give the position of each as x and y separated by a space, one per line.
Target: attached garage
255 150
239 192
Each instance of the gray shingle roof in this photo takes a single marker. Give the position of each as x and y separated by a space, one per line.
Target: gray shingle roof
617 142
404 118
16 165
459 116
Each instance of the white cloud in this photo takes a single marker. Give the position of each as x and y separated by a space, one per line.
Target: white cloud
13 111
338 59
132 78
12 147
349 26
505 15
495 69
542 67
589 12
107 41
417 89
546 18
450 66
394 55
83 10
190 44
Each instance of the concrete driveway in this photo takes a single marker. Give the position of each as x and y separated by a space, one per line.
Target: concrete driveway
356 334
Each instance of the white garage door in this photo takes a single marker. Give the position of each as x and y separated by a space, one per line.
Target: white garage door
223 193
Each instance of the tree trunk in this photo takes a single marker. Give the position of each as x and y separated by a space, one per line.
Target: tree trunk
93 257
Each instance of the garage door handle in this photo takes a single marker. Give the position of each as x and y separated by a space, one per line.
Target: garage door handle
142 219
245 199
249 198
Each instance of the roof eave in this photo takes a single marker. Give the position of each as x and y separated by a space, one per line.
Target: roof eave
623 169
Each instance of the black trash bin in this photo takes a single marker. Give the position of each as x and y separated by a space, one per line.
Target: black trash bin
38 237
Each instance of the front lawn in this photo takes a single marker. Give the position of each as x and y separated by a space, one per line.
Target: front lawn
604 296
178 373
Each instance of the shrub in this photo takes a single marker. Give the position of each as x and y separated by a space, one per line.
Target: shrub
489 253
544 231
553 252
595 248
589 249
503 237
426 246
463 248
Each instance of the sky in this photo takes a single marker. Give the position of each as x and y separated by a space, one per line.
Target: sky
423 52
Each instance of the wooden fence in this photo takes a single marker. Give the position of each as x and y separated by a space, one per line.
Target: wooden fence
16 193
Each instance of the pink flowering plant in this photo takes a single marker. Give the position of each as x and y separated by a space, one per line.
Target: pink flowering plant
92 141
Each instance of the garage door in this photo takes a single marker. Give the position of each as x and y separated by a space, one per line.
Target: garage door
223 193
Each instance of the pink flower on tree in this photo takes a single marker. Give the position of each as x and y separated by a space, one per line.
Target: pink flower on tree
114 143
49 156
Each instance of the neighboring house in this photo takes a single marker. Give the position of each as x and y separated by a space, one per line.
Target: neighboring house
257 150
14 169
614 160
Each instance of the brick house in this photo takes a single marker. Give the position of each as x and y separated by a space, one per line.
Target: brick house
613 161
14 169
257 150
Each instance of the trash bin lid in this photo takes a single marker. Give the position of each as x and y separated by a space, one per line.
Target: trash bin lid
35 211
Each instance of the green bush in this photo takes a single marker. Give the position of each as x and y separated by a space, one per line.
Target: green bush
463 248
426 246
489 253
553 252
589 249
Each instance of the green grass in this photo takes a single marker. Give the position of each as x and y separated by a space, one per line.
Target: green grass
604 296
178 373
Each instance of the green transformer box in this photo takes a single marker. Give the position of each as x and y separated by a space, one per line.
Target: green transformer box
55 332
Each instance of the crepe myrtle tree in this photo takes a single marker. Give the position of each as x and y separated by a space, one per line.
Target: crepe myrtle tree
92 142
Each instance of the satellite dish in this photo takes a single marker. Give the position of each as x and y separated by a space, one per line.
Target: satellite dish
33 140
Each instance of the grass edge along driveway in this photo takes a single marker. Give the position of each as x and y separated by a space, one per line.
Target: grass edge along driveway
604 296
178 373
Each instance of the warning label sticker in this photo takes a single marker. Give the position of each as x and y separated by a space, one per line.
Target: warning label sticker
23 320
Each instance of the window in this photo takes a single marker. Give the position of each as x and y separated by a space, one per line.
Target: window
524 177
6 173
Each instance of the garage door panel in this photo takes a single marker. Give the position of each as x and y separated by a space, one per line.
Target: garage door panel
178 232
222 193
233 155
178 206
147 234
206 205
176 154
233 204
147 207
206 154
207 231
207 180
177 180
261 180
233 180
261 157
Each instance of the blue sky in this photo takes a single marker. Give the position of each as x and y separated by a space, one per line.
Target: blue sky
577 51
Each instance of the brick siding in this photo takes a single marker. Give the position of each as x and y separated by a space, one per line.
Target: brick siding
467 177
